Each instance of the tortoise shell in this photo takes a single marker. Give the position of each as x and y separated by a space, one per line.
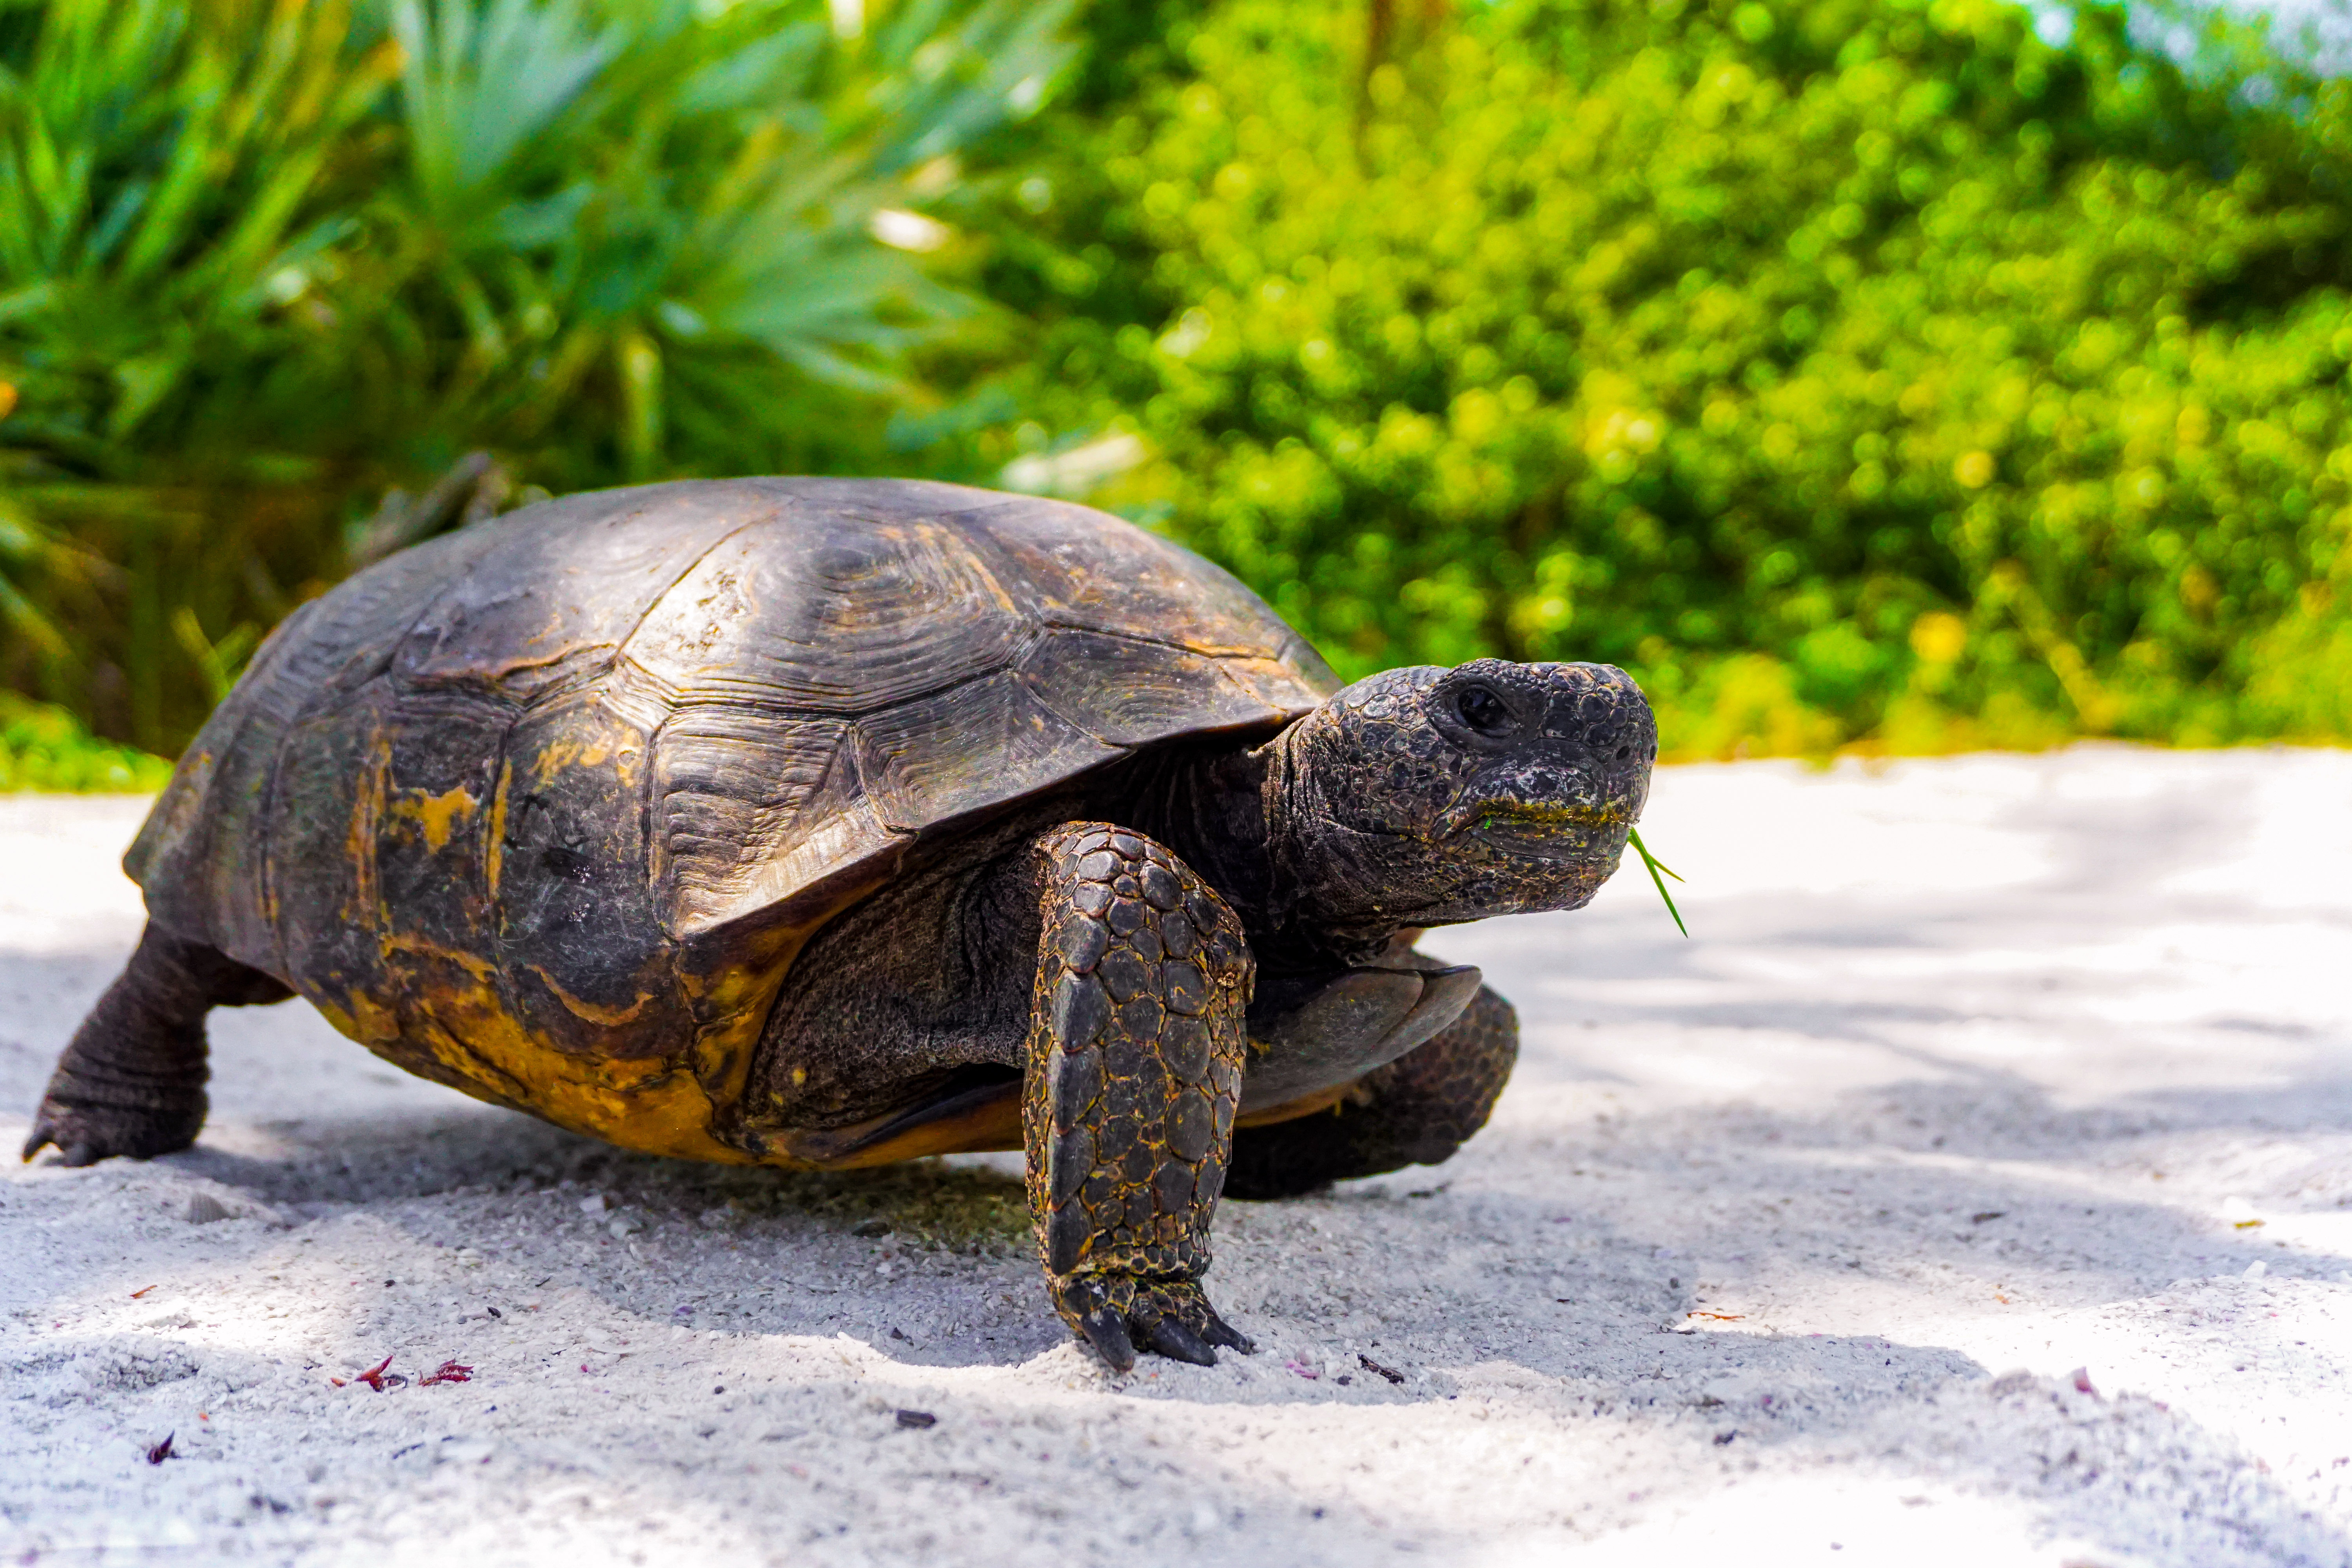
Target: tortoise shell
543 809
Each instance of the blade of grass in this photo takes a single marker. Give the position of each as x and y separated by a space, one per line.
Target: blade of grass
1656 866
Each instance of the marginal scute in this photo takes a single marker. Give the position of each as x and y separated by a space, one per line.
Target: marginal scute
438 761
320 827
1292 681
969 749
749 810
200 853
1127 692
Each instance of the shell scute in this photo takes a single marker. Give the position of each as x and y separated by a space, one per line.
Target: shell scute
969 748
844 614
560 587
1090 573
204 867
1125 692
577 928
319 831
749 811
436 766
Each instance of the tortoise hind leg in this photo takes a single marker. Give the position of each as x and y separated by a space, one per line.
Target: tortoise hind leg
1135 1052
1417 1110
131 1081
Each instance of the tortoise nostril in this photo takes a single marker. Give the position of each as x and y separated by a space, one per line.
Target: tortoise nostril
1623 752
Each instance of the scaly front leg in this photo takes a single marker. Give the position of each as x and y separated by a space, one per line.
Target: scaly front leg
1136 1042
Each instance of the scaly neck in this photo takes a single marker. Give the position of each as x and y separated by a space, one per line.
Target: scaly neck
1244 821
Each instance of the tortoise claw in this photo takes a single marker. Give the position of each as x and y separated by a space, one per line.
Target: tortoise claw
1174 1341
71 1150
85 1134
1220 1332
1120 1315
1105 1328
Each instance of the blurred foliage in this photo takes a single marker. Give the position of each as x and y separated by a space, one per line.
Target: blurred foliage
1890 374
45 748
262 260
1903 375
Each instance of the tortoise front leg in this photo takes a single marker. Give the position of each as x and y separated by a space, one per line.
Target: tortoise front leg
1135 1050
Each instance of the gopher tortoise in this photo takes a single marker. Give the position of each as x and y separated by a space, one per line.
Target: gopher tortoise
827 823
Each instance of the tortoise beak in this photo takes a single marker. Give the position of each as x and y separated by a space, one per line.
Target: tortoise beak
1583 839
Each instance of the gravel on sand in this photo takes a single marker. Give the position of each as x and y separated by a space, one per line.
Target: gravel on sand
1974 1186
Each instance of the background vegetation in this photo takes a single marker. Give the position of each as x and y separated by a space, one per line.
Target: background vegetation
268 266
1891 375
1887 372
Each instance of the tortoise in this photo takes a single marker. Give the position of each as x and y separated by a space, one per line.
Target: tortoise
824 823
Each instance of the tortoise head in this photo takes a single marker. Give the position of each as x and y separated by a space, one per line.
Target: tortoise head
1422 796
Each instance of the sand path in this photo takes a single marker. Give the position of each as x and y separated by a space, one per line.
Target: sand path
1784 1246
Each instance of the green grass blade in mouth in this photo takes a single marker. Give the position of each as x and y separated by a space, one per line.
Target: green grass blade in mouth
1656 866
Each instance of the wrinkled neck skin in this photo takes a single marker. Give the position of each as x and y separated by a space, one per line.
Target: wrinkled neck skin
1237 819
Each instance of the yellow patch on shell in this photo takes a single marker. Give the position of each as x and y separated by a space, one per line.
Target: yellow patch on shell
437 815
463 1037
605 1017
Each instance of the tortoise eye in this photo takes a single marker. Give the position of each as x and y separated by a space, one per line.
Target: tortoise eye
1482 711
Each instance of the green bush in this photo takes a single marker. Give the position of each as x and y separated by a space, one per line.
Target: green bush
1852 372
262 260
45 748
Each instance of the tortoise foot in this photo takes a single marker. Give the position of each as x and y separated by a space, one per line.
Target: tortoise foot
131 1081
84 1133
1118 1315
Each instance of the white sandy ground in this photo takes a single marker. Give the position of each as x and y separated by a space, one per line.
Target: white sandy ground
1784 1247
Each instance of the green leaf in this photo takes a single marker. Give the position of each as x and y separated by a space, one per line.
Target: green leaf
1655 866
